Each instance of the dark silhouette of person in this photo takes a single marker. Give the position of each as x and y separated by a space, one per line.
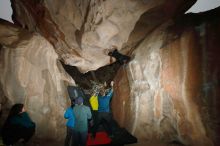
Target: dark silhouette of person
18 126
122 59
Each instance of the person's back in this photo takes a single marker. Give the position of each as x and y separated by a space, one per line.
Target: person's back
23 120
82 114
70 117
70 124
17 126
104 101
93 100
104 114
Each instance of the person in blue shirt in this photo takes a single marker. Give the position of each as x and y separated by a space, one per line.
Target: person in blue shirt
104 115
70 124
18 126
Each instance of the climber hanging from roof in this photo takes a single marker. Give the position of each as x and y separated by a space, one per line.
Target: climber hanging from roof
122 59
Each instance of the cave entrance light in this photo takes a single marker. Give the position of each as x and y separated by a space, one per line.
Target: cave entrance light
204 5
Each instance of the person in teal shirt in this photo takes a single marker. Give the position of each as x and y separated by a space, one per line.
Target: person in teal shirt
70 124
18 126
104 101
104 114
82 114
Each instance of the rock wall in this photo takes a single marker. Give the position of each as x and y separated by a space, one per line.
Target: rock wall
173 84
30 73
83 31
168 92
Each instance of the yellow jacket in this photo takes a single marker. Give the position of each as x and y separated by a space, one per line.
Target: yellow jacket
94 102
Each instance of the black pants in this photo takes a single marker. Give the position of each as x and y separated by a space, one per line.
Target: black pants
80 138
122 59
13 133
105 119
70 133
94 121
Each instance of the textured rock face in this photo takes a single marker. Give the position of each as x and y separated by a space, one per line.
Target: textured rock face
30 73
82 31
173 85
168 92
